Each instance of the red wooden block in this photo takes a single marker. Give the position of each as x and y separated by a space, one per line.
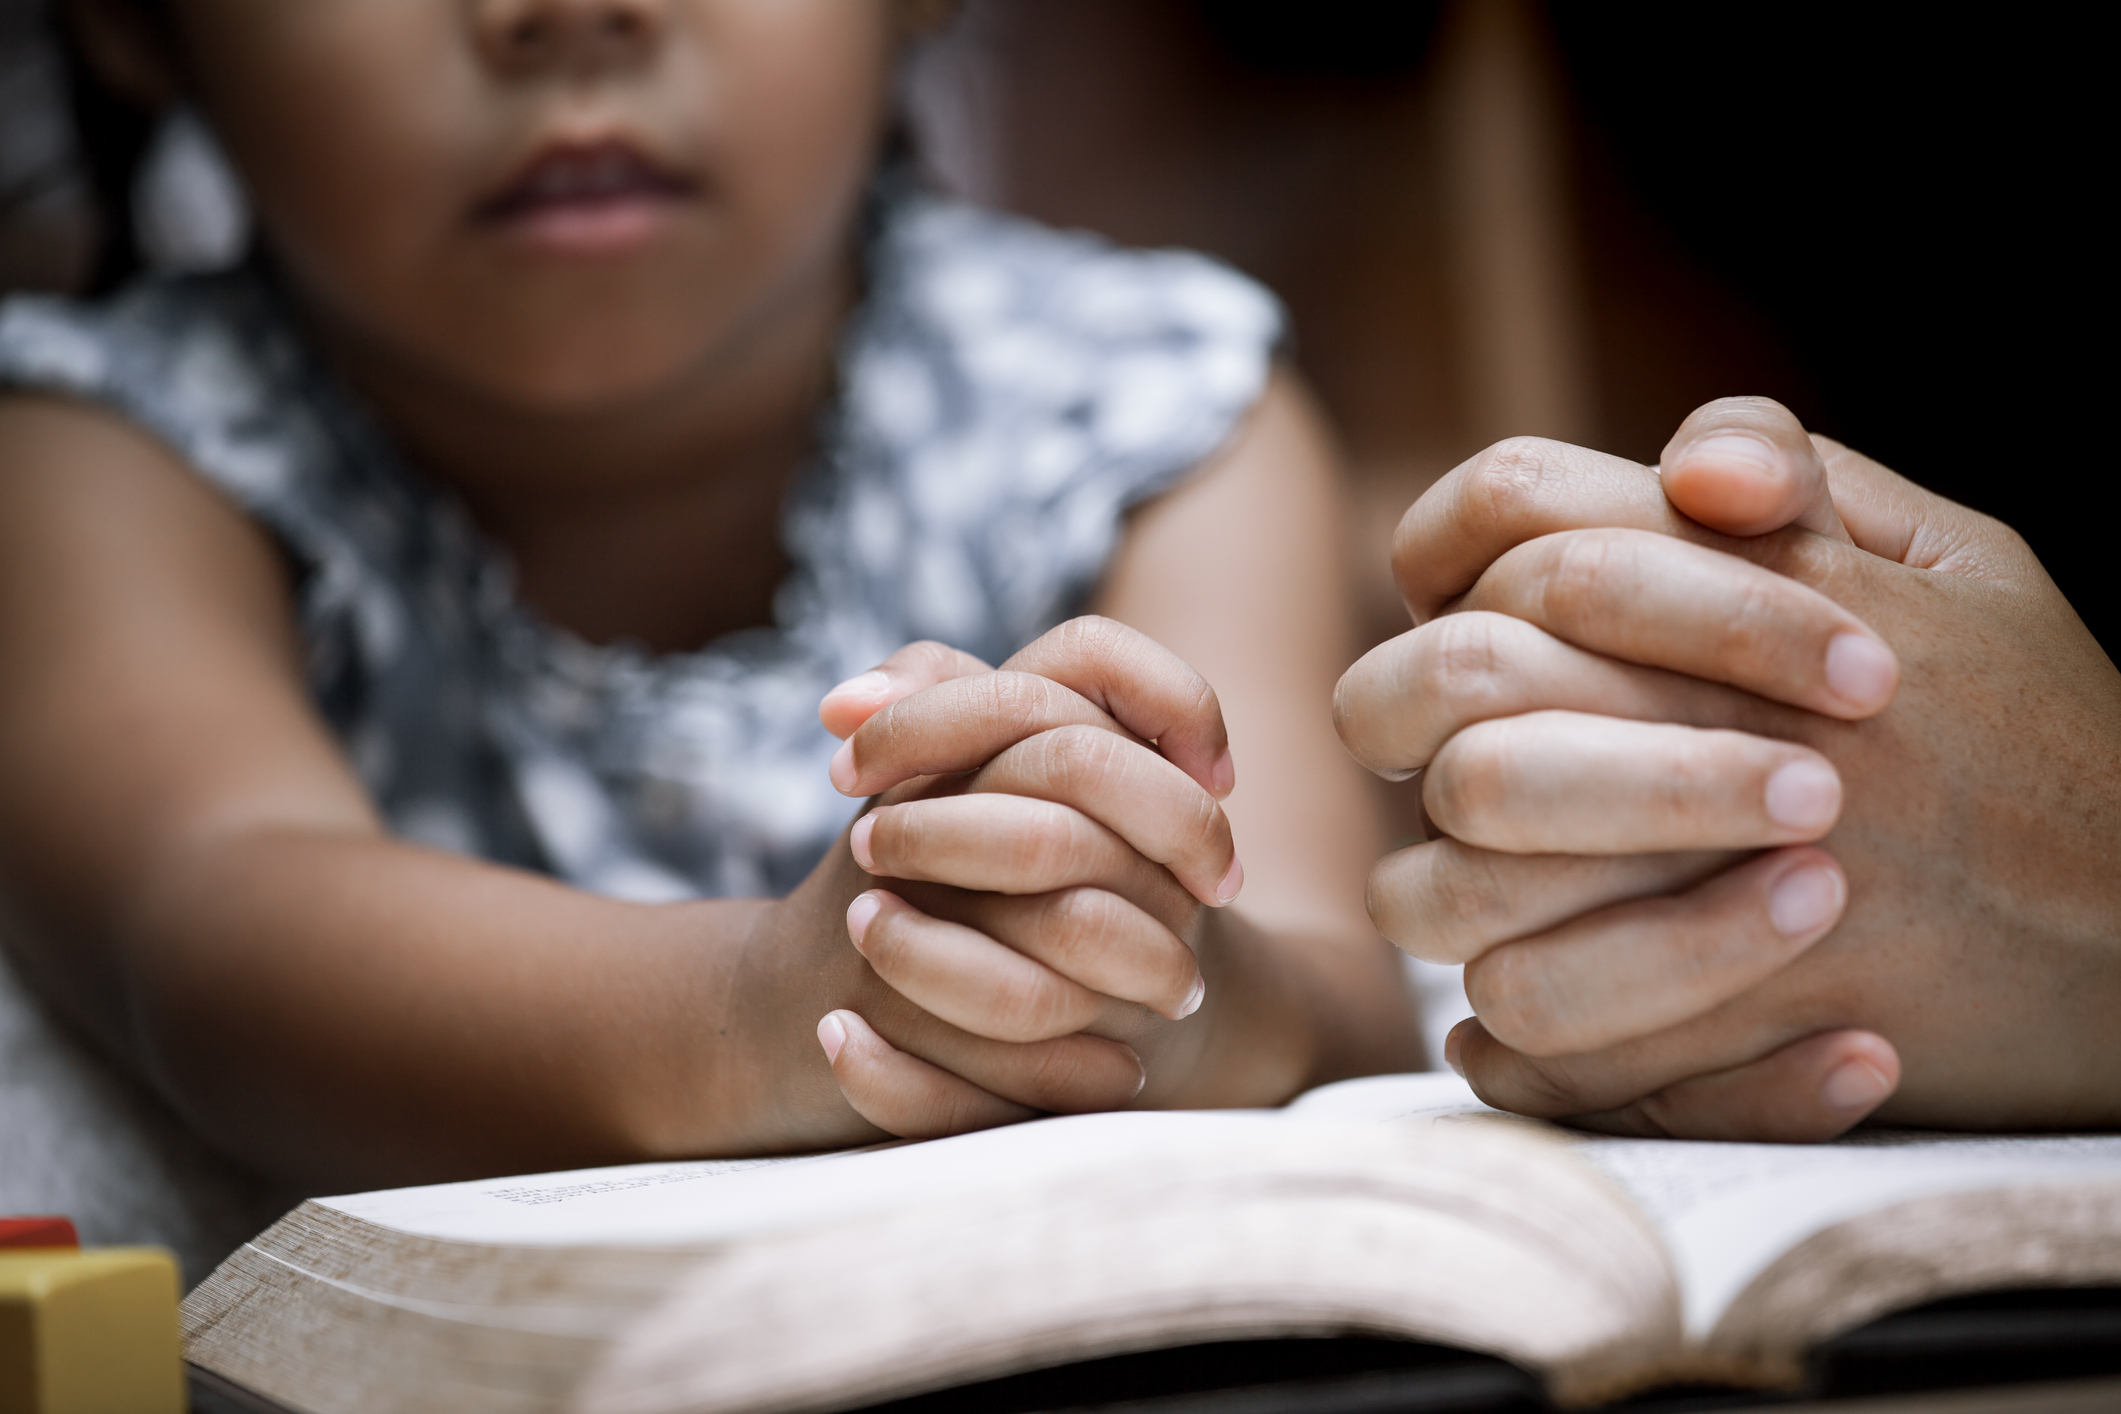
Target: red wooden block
38 1232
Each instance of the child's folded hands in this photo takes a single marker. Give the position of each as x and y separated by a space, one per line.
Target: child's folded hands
1052 834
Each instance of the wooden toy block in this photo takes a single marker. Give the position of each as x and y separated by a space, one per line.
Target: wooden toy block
89 1332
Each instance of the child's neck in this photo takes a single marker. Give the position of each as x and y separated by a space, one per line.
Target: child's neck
656 522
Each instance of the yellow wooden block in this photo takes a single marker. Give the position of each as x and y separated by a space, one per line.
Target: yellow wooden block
89 1332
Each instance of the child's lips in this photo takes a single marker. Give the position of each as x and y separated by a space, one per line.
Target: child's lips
587 199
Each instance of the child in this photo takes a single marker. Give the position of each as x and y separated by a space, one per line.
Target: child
412 641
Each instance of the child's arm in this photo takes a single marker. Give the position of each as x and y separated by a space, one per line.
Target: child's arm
198 879
1236 568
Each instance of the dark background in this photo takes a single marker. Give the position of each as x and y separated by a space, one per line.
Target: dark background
1909 197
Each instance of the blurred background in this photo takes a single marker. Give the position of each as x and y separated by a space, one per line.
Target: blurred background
1487 216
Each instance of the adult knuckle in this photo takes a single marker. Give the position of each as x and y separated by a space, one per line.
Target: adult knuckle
1506 484
1463 663
1465 893
1691 787
1514 998
1579 570
1751 623
1467 786
1510 1080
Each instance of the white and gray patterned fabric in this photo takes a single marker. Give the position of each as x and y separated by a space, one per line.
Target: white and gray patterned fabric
1006 393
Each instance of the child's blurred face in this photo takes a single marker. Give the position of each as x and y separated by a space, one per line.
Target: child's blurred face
557 204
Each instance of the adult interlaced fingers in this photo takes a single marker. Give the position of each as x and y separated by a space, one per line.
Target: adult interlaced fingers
1446 901
1635 968
1521 489
1658 601
1743 1071
1406 697
1577 783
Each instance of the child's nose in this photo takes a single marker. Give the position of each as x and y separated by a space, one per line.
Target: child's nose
530 36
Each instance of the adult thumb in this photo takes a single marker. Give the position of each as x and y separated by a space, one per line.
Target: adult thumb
1746 466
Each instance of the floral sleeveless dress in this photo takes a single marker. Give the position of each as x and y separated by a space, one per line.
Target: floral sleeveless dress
1006 394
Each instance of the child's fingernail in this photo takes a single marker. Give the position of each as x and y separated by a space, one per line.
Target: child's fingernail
1805 900
1452 1045
1232 882
1222 776
1736 451
1854 1085
864 908
873 683
858 841
842 769
1861 670
832 1034
1804 795
1193 999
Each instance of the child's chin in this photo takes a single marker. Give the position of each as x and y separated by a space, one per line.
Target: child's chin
584 376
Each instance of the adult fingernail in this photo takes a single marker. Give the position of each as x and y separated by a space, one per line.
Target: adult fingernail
1222 776
1854 1085
864 908
1805 900
858 842
1193 999
1804 795
1735 450
842 768
1232 882
1861 670
873 683
832 1034
1452 1045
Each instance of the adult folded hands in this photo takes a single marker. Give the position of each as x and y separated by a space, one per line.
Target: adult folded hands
1738 833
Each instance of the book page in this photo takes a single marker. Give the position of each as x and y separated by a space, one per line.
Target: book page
1726 1211
706 1202
1429 1094
1477 1235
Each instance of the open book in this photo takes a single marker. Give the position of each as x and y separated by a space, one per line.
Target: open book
1397 1205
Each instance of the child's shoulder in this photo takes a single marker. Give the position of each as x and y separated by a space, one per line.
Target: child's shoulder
976 270
206 363
136 340
1073 365
1068 319
1008 392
